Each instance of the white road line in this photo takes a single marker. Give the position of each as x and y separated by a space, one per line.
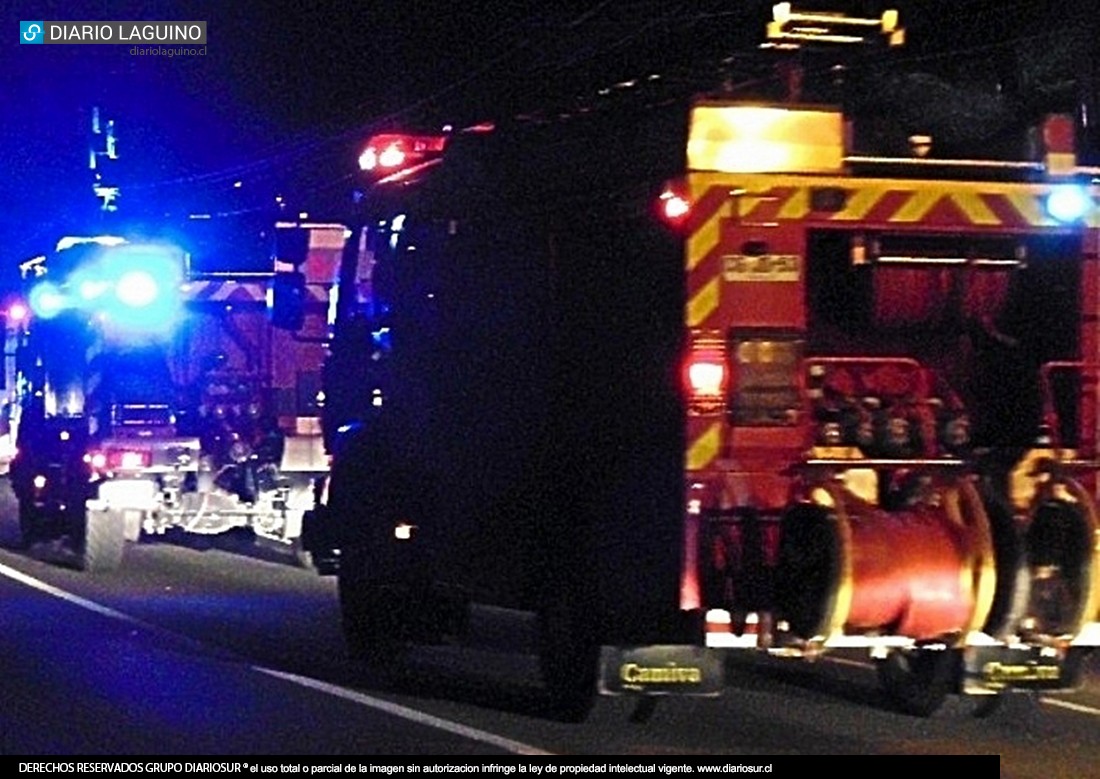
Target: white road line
404 712
1078 707
515 747
76 600
396 710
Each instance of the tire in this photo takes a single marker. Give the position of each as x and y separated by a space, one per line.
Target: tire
374 618
30 520
302 557
1013 589
568 654
918 681
101 541
132 525
986 706
567 607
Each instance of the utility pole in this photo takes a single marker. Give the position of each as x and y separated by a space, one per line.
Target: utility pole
103 150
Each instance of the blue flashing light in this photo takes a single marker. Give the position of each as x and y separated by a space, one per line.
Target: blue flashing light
47 300
146 285
137 288
1069 203
133 289
90 289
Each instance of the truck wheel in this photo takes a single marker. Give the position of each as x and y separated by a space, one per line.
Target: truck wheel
373 617
132 525
102 540
303 558
917 681
30 521
987 705
568 657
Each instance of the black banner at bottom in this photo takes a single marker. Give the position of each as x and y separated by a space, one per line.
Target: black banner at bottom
972 766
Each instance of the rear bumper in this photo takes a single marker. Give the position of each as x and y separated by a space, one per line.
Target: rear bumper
137 493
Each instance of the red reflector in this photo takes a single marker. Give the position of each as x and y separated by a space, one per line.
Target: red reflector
120 459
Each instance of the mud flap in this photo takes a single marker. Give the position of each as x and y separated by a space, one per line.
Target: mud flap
661 669
997 669
101 542
319 540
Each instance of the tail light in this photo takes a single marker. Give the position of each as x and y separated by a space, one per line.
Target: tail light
119 459
706 374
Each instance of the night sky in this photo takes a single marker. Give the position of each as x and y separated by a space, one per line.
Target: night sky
286 92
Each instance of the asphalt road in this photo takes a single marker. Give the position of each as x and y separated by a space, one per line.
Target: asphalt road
226 650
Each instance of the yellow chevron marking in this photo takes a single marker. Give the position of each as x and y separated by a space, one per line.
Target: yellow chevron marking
746 204
971 204
797 205
704 239
703 303
860 202
920 198
916 206
705 448
1029 207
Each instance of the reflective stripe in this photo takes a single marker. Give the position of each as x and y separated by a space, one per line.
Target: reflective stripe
788 198
704 449
241 292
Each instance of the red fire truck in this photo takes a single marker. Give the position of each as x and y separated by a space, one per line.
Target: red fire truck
700 378
148 397
891 402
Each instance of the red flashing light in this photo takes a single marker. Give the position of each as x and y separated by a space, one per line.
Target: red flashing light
1058 134
674 205
391 152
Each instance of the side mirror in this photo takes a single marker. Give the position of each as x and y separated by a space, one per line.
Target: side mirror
287 300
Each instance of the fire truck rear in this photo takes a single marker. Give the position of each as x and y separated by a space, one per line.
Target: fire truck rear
146 399
891 388
834 402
